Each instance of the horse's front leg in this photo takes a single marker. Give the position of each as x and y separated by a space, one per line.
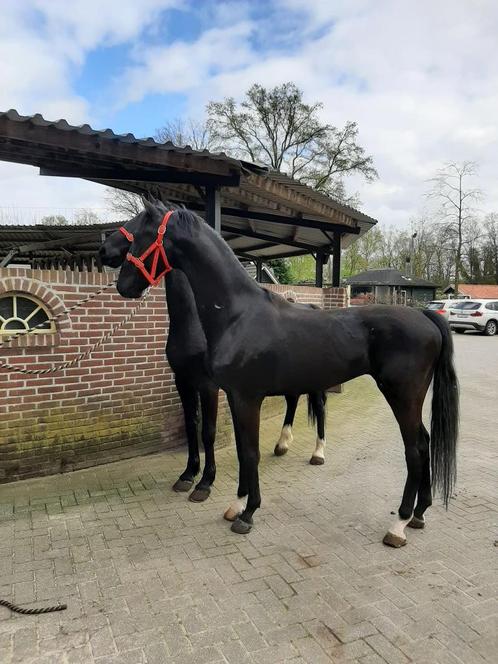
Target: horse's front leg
189 398
246 416
209 409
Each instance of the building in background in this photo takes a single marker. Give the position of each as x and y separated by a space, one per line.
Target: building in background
389 286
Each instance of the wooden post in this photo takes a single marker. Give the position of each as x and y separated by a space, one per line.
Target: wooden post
336 266
259 271
213 208
319 269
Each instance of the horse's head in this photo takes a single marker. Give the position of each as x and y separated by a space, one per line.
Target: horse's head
151 251
113 252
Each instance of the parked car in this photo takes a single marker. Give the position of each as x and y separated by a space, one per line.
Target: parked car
442 306
481 315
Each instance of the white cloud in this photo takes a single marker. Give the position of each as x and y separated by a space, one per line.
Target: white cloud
420 78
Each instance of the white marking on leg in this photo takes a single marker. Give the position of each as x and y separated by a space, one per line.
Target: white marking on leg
238 506
286 437
398 527
320 448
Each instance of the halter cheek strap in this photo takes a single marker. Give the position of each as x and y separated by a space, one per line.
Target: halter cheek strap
156 248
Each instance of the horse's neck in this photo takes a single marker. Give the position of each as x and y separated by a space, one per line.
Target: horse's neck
221 286
182 309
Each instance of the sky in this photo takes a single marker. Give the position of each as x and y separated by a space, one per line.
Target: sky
419 78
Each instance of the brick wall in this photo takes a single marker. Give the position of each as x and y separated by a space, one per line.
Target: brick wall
327 298
118 403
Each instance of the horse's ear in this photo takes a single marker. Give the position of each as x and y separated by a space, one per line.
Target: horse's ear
149 206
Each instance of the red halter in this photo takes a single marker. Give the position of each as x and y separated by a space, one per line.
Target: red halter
157 248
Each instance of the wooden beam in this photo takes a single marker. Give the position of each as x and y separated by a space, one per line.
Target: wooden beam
289 221
160 176
253 247
259 271
269 238
319 270
213 208
6 260
336 265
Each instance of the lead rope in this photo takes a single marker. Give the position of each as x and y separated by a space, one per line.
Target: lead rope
65 312
70 363
32 612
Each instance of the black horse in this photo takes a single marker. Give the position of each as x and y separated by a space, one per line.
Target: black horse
258 344
186 351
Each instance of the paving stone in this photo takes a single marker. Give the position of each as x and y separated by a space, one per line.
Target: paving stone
151 578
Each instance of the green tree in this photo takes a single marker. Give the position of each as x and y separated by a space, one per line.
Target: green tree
281 270
277 128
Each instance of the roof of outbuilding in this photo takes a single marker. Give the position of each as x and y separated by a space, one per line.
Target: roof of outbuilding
387 277
302 219
481 291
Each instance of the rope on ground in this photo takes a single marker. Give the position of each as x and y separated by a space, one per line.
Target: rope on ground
32 612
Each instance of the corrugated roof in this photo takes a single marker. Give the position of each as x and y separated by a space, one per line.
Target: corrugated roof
387 277
140 164
38 120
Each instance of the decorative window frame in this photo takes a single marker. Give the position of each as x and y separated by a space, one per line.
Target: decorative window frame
51 302
26 327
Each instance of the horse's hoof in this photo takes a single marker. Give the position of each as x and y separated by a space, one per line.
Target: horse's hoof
240 527
280 451
231 514
182 485
317 461
390 539
199 495
416 523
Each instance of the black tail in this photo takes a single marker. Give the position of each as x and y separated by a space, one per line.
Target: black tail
316 403
444 421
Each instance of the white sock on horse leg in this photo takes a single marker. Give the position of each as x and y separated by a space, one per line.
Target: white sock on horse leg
320 448
286 437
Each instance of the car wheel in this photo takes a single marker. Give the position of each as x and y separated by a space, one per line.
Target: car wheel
491 328
459 331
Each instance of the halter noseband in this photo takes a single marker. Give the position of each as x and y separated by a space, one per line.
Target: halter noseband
156 248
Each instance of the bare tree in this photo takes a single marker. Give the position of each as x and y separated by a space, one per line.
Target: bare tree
124 203
491 245
54 220
87 218
181 133
456 200
276 127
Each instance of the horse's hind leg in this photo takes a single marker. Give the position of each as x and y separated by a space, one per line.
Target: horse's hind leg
424 498
189 398
318 457
209 409
408 413
286 434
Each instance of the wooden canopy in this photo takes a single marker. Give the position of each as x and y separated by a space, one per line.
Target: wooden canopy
262 214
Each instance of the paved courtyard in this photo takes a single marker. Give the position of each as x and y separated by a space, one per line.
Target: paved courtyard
149 577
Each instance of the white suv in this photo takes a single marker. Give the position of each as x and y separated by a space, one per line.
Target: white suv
442 307
481 315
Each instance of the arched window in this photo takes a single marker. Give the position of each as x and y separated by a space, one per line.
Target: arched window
20 312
